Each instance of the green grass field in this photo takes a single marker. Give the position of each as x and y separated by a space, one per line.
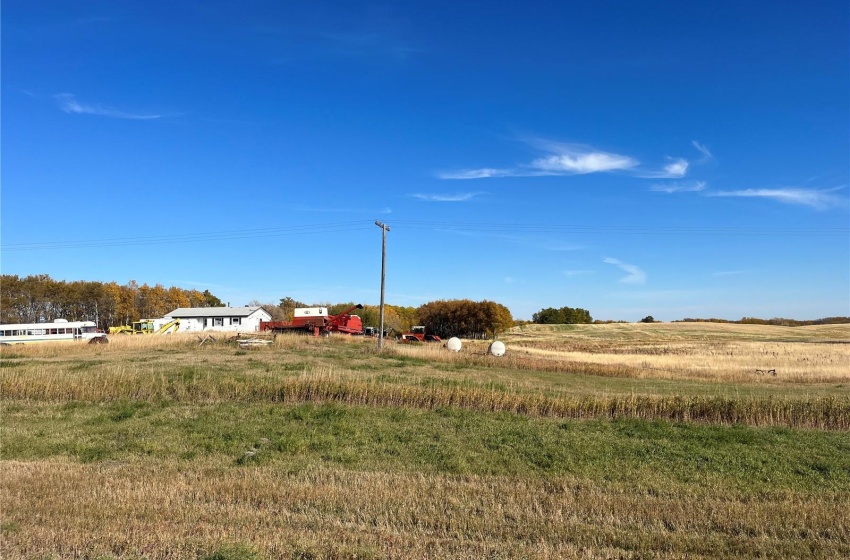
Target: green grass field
326 448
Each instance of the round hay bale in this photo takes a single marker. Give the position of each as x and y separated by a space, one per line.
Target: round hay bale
497 348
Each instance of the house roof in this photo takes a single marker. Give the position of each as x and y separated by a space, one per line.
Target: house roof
192 312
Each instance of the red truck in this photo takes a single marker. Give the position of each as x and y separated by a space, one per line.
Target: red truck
317 321
417 334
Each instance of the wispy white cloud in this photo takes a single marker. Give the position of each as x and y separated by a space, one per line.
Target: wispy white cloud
677 187
476 173
509 280
580 160
573 159
68 103
706 155
573 273
634 275
818 199
676 169
458 197
722 273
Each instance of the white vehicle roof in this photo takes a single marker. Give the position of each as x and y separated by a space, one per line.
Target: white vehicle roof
311 312
57 324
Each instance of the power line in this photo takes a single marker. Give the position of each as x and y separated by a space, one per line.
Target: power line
192 237
476 227
624 229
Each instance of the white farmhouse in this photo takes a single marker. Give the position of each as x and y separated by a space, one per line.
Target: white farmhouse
238 319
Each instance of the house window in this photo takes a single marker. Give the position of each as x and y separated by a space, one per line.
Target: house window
235 321
218 321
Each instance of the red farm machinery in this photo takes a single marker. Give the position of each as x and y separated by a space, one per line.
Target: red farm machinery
417 334
318 322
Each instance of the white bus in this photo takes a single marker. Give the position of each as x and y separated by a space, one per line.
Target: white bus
58 330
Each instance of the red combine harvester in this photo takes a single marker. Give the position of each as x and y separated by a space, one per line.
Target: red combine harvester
417 334
317 321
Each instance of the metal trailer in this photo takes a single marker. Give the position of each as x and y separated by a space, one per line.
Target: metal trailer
417 334
317 321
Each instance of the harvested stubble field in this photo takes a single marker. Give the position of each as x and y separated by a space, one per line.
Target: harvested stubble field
596 441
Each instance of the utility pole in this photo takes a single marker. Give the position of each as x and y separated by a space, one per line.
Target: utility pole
384 229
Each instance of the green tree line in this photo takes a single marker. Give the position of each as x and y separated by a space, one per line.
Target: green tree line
445 318
39 298
465 318
776 321
562 316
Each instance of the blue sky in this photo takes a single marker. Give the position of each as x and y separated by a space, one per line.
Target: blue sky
673 159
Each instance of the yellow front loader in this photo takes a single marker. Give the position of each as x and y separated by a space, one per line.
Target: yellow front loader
147 326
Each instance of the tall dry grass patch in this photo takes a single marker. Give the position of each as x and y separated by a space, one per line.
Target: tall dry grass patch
665 332
748 362
145 493
168 511
703 351
196 368
197 384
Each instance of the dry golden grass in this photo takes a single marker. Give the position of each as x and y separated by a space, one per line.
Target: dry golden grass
704 351
806 391
162 508
166 511
751 354
666 332
319 386
763 362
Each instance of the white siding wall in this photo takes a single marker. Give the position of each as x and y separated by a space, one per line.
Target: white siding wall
190 325
221 323
252 322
